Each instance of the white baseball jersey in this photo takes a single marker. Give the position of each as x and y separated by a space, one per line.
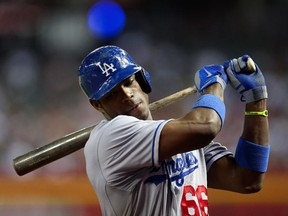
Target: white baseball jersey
123 167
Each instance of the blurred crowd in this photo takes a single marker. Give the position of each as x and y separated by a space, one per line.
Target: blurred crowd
42 45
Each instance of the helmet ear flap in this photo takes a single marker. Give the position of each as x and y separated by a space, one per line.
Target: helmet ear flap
143 79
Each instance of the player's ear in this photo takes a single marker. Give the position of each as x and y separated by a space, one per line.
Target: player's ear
97 105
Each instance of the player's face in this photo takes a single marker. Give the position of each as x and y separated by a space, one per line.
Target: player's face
127 98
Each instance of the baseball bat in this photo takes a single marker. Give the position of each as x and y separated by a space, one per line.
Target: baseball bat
70 143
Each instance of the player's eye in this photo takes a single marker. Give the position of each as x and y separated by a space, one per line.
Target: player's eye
129 81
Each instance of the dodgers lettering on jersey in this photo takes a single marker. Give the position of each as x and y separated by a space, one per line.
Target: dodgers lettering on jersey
177 170
182 167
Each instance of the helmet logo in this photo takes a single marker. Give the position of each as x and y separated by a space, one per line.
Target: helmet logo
105 68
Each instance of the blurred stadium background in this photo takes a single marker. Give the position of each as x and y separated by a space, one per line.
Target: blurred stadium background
42 44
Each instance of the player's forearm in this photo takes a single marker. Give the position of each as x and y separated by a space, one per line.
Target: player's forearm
253 148
211 115
256 127
197 128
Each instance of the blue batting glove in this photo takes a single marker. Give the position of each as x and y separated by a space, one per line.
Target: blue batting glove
251 86
208 75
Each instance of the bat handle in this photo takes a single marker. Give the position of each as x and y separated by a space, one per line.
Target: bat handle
251 67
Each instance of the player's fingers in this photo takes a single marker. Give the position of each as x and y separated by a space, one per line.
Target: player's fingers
234 82
245 57
242 62
236 65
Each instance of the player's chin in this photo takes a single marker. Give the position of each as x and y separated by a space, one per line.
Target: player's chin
140 111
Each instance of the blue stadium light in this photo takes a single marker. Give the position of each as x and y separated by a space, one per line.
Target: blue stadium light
106 19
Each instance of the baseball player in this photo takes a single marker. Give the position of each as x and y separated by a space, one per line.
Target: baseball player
140 166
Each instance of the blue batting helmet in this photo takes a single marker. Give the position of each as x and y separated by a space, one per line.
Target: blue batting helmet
105 67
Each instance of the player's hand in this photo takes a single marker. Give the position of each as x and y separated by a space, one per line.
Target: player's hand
251 86
208 75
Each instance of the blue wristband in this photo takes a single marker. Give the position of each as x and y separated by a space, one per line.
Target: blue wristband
252 156
212 102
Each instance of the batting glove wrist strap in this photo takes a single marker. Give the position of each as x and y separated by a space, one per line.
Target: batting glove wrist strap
212 102
208 75
254 94
252 156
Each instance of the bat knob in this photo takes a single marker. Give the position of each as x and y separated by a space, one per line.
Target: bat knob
251 67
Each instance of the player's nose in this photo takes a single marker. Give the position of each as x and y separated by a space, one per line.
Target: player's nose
127 93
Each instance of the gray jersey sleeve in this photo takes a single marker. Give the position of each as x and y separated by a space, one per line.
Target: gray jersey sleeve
213 152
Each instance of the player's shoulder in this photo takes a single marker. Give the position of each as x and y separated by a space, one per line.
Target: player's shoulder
120 121
125 124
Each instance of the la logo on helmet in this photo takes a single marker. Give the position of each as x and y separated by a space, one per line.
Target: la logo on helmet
105 68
